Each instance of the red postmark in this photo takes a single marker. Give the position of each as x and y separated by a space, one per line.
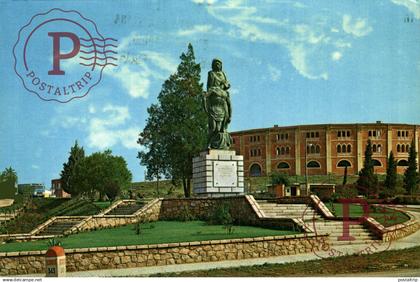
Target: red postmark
349 234
60 55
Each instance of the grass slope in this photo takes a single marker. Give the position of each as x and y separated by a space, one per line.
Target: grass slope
385 216
151 233
41 209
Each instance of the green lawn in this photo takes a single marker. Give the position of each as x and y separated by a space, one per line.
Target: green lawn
102 205
385 216
151 233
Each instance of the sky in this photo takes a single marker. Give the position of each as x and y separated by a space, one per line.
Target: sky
289 63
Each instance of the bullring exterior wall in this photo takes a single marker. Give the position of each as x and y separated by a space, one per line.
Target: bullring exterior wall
288 149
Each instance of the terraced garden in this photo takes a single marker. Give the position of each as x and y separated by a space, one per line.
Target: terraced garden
148 233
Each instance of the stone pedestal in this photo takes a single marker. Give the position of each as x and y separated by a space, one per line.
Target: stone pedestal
218 173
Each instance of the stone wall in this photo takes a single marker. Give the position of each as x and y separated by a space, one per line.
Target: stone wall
163 254
202 208
403 231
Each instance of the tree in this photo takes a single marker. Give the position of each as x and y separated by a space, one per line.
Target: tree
77 154
391 176
176 129
368 181
102 173
411 174
279 178
9 174
154 164
345 176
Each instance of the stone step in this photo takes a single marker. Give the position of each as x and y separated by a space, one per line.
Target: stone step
354 234
284 208
58 227
338 228
125 209
356 242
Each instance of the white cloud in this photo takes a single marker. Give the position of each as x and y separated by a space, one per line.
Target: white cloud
274 72
299 60
357 27
137 83
138 69
309 45
106 132
194 30
70 121
208 2
336 56
34 166
92 109
161 60
412 5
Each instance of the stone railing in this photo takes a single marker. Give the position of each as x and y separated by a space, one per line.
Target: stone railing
114 205
390 233
393 232
86 259
321 207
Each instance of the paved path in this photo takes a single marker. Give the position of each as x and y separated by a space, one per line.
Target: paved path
407 242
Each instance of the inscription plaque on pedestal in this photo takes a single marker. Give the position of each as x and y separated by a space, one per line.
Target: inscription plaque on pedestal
225 174
218 173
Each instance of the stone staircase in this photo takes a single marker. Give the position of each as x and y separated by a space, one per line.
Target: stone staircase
58 226
317 223
125 208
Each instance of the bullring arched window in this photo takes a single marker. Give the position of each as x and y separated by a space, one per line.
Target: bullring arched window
313 164
376 162
283 165
255 170
344 163
402 163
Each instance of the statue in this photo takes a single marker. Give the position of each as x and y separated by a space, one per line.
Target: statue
218 108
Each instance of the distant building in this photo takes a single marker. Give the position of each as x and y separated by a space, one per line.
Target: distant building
30 187
324 148
57 190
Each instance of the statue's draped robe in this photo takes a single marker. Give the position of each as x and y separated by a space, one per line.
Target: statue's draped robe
219 111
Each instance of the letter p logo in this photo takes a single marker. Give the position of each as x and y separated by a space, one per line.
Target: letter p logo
347 221
57 56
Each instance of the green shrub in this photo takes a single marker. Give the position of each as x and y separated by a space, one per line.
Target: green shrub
221 215
279 178
137 228
53 242
347 191
185 214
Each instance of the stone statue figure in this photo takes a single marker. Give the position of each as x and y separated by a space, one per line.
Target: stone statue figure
218 107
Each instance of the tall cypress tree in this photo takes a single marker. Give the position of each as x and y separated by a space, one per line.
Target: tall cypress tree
68 184
176 129
368 181
345 176
391 176
411 174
